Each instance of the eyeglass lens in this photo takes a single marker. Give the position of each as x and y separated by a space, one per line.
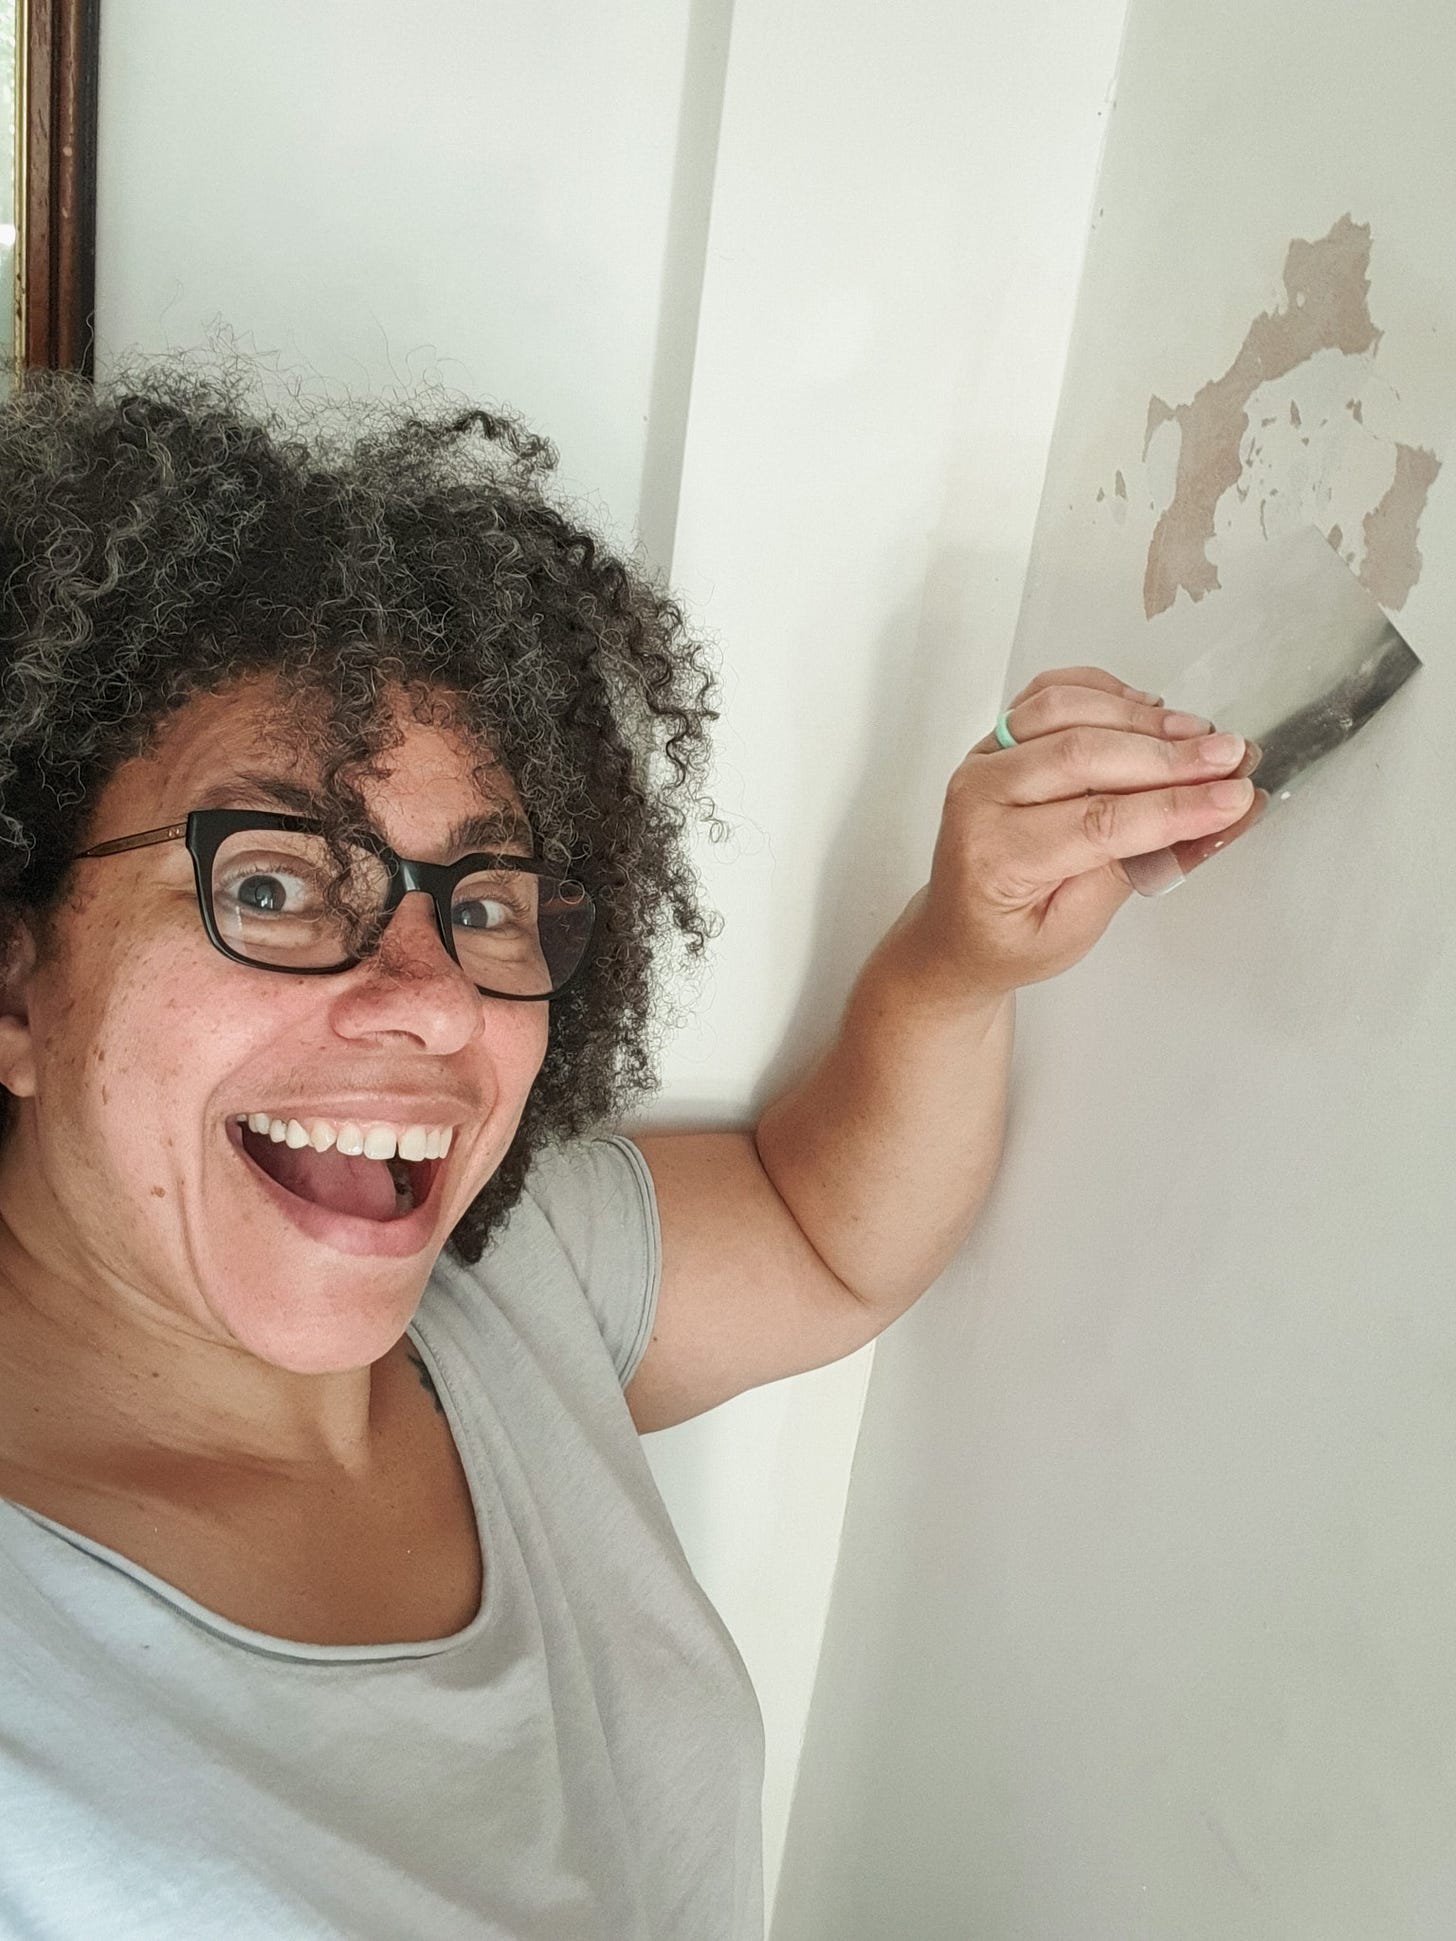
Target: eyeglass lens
278 899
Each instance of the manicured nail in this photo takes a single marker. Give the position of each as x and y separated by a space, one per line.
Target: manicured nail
1141 694
1231 795
1185 724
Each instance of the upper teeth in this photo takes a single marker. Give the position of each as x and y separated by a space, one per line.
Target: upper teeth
374 1142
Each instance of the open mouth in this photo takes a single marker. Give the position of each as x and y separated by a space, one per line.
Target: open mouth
382 1190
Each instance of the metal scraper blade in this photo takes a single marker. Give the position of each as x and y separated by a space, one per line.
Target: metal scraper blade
1303 737
1301 658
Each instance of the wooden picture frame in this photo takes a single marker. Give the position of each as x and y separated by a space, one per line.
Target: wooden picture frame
58 50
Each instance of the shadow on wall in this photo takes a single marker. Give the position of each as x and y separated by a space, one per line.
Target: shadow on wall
705 78
931 696
900 1736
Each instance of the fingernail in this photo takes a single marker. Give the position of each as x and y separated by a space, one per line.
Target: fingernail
1221 748
1185 724
1231 795
1141 694
1153 874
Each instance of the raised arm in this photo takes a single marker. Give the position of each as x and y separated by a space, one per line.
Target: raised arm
794 1245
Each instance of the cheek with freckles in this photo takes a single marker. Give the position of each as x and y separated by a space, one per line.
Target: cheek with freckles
130 1041
519 1041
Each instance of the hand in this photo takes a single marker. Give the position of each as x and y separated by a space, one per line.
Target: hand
1027 872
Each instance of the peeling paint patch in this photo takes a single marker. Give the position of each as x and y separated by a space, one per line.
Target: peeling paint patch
1326 287
1392 562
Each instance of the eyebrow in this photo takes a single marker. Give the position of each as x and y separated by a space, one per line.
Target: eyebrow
492 830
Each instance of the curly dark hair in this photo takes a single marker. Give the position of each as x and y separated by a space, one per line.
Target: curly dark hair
169 533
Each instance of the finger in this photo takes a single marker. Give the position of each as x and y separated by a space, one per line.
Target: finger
1093 677
1162 870
1057 840
1190 855
1085 761
1057 707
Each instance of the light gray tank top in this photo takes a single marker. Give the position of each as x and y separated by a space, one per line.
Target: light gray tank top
583 1762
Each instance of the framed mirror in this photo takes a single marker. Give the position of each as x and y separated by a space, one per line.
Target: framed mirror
49 63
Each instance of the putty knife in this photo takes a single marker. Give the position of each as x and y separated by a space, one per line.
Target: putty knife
1302 657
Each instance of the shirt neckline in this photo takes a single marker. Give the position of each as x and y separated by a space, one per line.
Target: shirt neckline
269 1645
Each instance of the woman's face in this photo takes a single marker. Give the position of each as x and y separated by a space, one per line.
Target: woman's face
134 1043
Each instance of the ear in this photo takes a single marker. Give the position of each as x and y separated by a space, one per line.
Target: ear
17 1057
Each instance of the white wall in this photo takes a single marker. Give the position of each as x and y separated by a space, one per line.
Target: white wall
1142 1622
373 195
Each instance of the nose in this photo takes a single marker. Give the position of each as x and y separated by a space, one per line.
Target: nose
413 934
410 984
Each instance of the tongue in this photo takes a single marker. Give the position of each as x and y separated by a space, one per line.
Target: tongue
363 1187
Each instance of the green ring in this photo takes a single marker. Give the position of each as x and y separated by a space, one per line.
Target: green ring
1004 734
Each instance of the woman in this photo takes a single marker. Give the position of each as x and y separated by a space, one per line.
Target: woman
343 795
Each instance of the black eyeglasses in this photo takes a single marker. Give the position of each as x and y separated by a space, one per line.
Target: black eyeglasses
272 895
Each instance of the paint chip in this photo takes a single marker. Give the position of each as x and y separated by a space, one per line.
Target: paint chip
1326 287
1392 558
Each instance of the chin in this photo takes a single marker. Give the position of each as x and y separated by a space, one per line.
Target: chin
337 1329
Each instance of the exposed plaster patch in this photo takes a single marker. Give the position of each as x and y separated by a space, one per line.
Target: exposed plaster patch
1392 558
1326 288
1326 472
